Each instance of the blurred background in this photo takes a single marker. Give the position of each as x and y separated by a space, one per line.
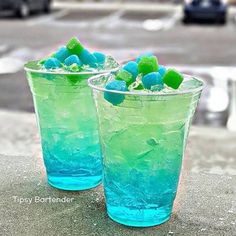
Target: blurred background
197 37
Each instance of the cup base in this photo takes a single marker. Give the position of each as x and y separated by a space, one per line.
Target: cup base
74 183
131 217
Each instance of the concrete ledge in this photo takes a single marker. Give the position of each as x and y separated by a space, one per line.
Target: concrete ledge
18 133
205 204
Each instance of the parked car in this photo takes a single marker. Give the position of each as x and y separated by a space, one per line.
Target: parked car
23 8
205 10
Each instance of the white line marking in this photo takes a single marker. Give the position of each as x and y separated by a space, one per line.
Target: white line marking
164 23
14 61
4 48
231 123
9 65
49 18
111 19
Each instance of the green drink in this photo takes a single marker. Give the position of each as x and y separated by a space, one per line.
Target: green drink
143 136
68 127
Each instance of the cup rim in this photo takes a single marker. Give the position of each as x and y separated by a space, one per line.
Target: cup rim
62 72
149 93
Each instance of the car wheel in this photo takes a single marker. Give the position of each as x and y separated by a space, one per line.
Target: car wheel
47 6
222 21
23 10
186 20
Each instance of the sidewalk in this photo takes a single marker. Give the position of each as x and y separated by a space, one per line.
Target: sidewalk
125 6
115 6
205 203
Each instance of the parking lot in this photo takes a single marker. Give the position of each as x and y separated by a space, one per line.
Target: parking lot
203 49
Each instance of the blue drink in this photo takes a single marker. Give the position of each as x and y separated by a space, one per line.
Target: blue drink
143 141
68 127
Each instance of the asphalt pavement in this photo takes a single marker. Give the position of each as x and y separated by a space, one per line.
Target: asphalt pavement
123 32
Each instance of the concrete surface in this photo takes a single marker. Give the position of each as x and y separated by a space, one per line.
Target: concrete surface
205 204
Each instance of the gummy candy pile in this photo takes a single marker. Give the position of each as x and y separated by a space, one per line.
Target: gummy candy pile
144 74
74 58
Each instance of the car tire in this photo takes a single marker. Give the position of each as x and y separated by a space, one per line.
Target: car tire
47 6
23 10
186 20
222 21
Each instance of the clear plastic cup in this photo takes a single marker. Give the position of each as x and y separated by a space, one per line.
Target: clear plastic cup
143 141
68 127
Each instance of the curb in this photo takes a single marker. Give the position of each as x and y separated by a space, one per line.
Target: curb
117 6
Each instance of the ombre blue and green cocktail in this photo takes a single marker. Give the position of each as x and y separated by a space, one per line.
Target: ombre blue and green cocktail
143 140
68 128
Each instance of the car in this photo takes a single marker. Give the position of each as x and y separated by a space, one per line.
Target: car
23 8
205 10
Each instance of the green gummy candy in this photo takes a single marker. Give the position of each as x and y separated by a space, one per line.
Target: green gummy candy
173 79
74 46
148 65
125 76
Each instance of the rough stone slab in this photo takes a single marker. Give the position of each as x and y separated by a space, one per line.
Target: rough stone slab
211 150
205 204
18 133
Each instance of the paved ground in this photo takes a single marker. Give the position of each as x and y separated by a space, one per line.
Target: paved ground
123 32
205 204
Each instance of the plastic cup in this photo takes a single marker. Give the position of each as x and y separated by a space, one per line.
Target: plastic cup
143 141
68 127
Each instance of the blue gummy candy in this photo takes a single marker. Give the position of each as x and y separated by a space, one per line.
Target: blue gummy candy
162 70
132 68
100 57
73 59
152 79
115 98
62 54
52 63
88 58
145 54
